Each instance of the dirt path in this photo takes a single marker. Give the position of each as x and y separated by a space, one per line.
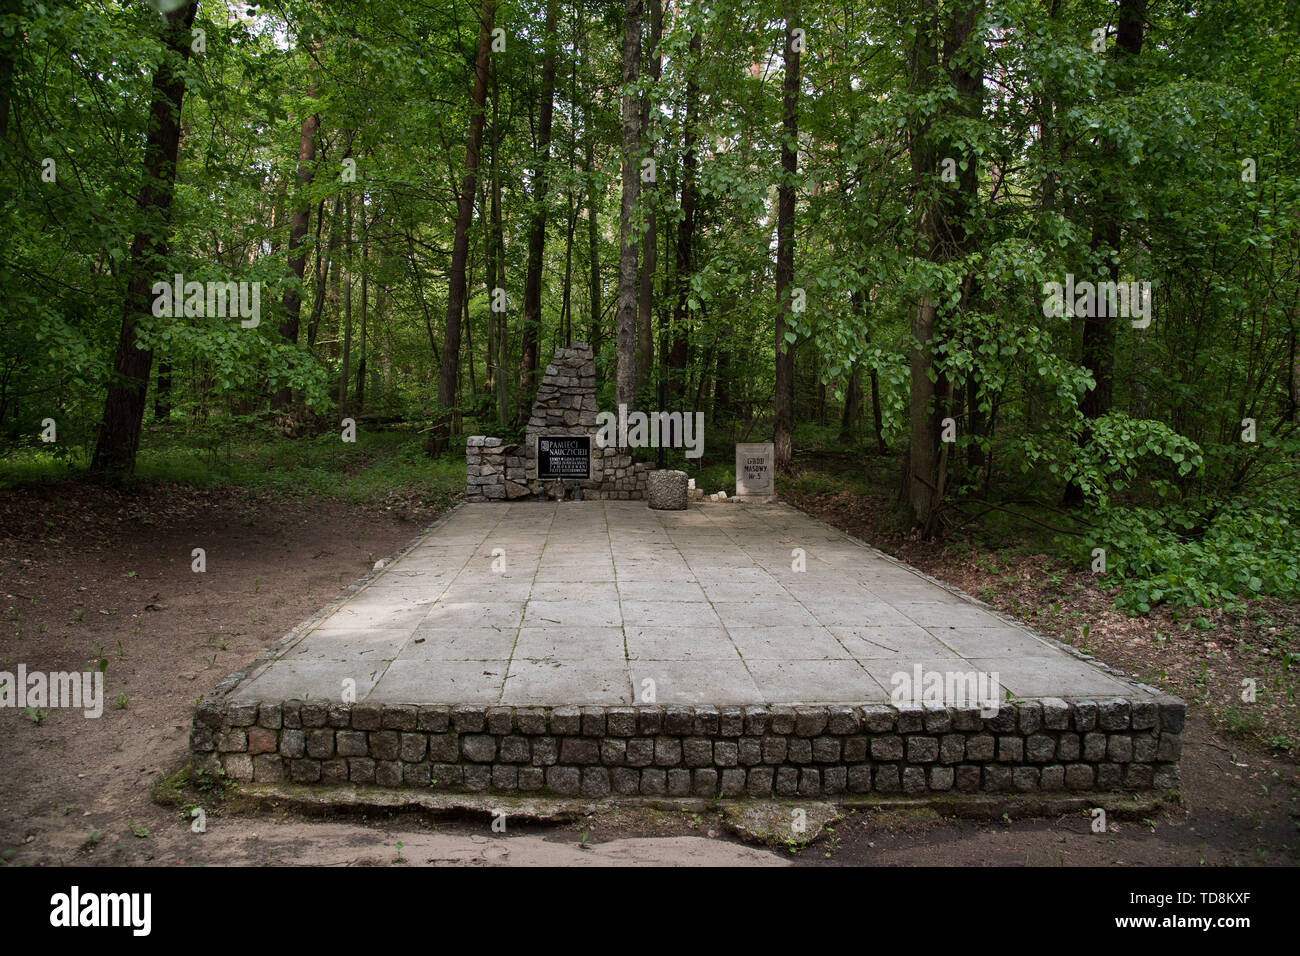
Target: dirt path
88 576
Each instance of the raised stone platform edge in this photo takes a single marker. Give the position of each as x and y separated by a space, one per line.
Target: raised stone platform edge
677 750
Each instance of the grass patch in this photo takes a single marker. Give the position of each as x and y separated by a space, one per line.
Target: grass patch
377 466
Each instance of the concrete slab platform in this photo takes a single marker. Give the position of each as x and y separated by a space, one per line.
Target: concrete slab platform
633 594
601 647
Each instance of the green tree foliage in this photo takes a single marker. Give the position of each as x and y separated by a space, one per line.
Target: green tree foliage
1190 149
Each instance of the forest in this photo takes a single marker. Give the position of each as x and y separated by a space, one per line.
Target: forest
1033 261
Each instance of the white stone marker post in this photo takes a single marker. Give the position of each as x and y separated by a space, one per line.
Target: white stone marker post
755 480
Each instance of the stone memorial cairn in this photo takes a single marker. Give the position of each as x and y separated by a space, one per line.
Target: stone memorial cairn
565 406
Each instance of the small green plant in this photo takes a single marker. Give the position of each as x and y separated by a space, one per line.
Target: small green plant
210 782
121 701
37 716
832 842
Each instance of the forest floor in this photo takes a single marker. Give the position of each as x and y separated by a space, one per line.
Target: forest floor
92 576
1200 654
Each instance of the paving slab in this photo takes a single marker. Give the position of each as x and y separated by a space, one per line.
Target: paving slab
581 603
603 650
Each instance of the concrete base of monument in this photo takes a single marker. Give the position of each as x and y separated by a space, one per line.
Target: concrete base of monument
756 819
600 649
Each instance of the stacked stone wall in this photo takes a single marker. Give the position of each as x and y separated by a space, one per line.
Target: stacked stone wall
759 751
565 407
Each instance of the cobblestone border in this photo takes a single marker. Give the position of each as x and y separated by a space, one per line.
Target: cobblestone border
773 750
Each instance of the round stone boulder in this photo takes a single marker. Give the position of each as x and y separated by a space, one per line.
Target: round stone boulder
666 490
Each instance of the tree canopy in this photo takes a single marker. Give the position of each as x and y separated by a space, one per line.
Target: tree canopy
897 220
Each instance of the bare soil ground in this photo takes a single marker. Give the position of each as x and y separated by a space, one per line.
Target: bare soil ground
90 575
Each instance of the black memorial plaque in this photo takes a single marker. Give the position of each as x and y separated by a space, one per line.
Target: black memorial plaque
563 457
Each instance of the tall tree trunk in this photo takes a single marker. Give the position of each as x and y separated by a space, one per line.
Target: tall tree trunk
923 414
877 416
575 191
485 200
10 47
495 249
625 381
336 267
298 225
685 231
119 430
975 424
594 316
502 383
852 408
365 288
469 346
923 417
566 302
529 359
347 311
162 395
489 274
861 303
942 233
783 402
649 248
323 265
1099 331
447 375
706 370
722 410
